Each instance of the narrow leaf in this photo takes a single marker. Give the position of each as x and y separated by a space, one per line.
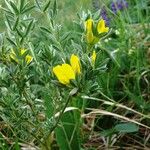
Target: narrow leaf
21 5
65 36
9 7
55 8
46 5
12 42
16 23
38 4
27 9
19 33
14 7
45 29
29 27
8 22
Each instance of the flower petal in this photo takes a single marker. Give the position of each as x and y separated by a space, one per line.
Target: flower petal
22 51
75 63
64 73
88 25
101 27
93 57
89 37
28 59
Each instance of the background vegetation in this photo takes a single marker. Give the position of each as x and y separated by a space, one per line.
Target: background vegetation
105 107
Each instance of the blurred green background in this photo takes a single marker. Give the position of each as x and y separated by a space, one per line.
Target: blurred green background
67 11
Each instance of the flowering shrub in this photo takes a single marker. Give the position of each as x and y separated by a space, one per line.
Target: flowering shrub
71 88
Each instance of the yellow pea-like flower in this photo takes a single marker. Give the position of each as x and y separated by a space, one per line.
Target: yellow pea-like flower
22 51
93 57
101 27
89 31
92 33
75 63
64 73
89 25
90 37
28 58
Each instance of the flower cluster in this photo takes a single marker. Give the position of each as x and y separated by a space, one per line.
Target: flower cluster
67 72
118 5
93 31
22 52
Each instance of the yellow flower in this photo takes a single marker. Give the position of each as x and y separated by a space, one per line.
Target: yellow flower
93 57
28 58
66 72
92 33
75 63
89 33
89 37
89 25
101 27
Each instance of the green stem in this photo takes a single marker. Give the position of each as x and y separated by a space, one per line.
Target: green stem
61 114
28 102
58 120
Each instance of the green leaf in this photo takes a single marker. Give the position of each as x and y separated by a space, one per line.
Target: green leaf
73 91
55 8
7 11
45 29
21 5
48 103
12 42
9 6
14 7
1 39
19 33
76 46
67 134
112 56
65 36
32 52
16 23
46 5
29 28
38 4
27 9
8 23
126 127
17 147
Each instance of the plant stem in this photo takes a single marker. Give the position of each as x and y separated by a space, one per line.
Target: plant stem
58 120
61 113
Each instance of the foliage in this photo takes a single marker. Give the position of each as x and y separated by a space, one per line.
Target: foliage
74 82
